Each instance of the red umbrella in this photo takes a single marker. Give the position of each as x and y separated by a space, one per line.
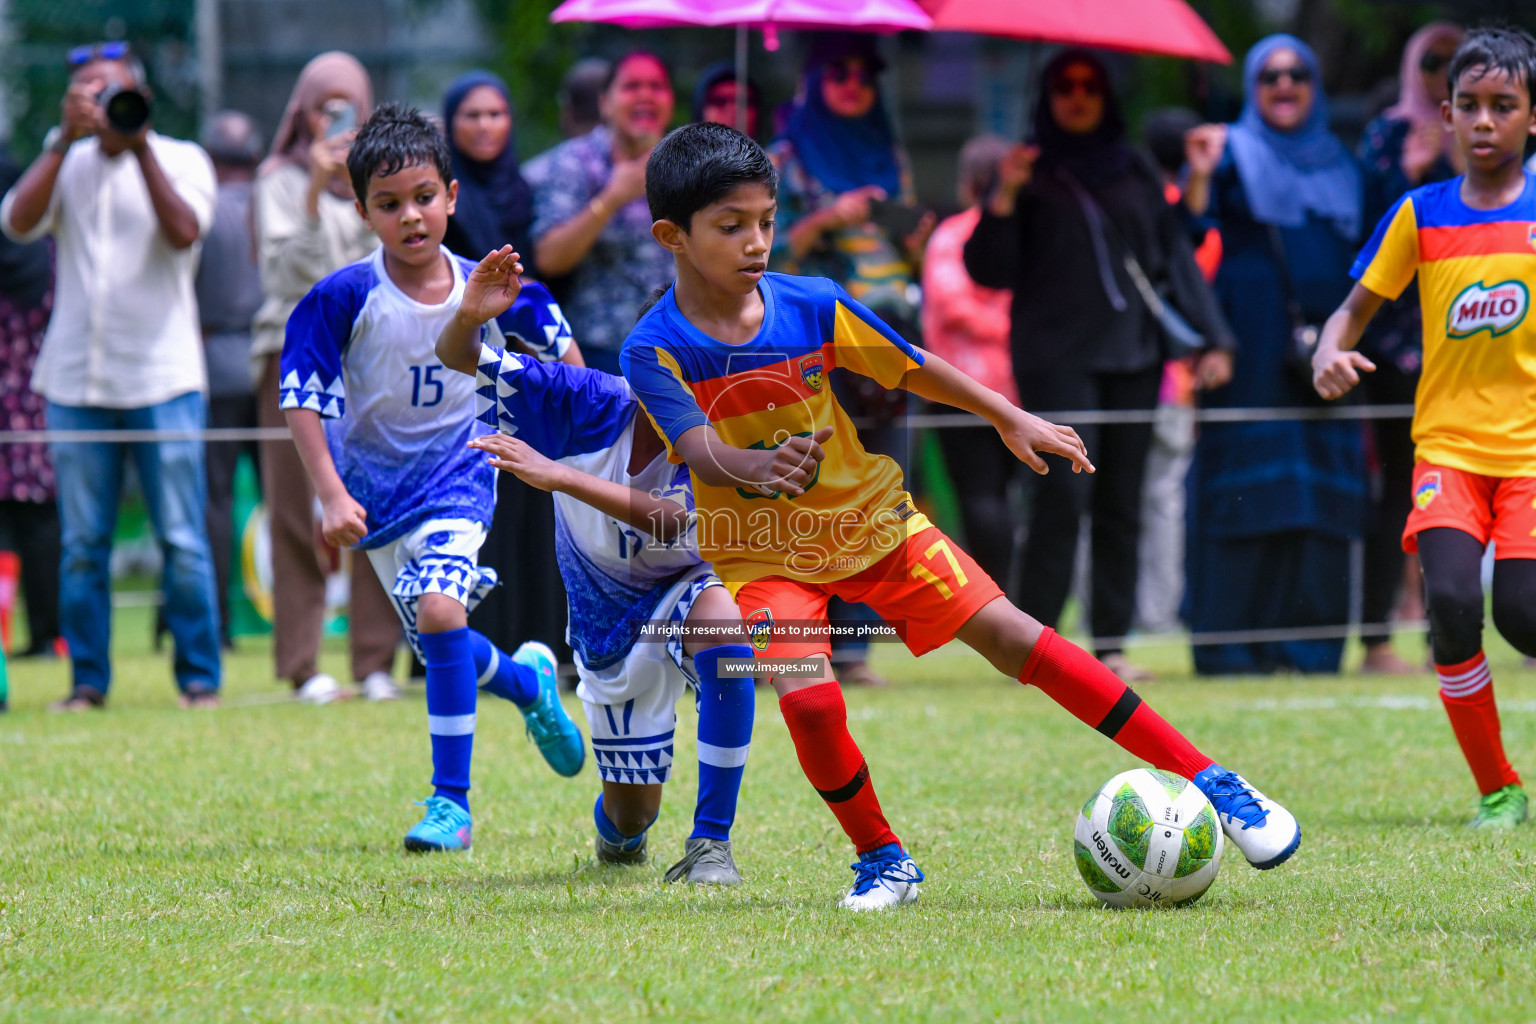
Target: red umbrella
1166 27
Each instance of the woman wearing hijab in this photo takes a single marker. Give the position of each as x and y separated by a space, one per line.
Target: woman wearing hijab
1274 505
1062 226
495 204
715 95
839 152
1405 147
495 207
307 227
838 155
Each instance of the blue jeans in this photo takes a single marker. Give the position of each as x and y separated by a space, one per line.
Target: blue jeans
175 484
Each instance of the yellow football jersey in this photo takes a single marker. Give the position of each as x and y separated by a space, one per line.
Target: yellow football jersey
1476 403
758 395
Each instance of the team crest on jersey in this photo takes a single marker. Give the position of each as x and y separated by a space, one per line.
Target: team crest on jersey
1530 235
811 368
1427 489
760 628
1497 309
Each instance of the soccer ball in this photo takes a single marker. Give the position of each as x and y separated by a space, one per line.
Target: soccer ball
1148 838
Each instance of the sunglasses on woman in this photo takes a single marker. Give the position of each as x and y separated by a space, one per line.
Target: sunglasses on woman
1072 86
96 51
1300 75
840 72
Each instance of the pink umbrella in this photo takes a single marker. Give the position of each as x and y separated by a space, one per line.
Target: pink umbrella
768 15
1168 27
862 15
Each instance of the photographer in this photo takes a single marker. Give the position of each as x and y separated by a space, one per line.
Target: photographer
123 352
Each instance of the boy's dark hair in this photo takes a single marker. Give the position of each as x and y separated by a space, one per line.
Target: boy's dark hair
394 138
650 301
1499 48
700 164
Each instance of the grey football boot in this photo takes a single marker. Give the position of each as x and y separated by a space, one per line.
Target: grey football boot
613 853
705 862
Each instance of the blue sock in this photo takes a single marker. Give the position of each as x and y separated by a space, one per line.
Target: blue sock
609 831
496 673
450 710
726 707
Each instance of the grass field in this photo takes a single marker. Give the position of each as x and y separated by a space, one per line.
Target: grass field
245 863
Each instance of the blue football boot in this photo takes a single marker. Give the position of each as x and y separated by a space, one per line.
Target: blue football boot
557 737
447 826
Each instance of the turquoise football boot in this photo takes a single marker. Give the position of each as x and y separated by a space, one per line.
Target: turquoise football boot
552 730
447 826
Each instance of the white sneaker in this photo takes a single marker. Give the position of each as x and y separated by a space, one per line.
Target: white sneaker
1265 832
319 689
883 878
380 686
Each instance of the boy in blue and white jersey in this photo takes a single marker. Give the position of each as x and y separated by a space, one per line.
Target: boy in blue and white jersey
383 428
648 618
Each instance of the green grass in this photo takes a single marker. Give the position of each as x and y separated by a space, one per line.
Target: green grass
246 864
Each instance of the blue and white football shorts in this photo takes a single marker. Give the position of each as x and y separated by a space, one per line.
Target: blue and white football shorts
631 705
438 557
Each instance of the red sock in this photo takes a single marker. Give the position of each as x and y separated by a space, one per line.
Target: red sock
818 723
1079 682
1466 690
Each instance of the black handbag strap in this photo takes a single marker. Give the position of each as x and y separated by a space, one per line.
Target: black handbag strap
1292 306
1099 227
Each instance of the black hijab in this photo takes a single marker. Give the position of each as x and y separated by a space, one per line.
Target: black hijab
495 204
1100 157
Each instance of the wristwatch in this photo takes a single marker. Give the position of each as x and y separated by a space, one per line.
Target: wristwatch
56 141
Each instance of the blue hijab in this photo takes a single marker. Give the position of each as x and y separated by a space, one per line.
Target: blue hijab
1289 175
843 153
495 204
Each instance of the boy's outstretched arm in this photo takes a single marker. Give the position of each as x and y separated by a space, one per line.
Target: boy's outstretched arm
1335 364
343 521
660 517
489 291
787 468
1023 433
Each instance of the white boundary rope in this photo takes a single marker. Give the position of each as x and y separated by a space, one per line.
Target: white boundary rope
1072 417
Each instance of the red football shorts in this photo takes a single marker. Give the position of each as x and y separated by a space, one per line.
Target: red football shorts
926 589
1500 509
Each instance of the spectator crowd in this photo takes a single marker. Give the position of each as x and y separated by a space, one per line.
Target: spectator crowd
146 282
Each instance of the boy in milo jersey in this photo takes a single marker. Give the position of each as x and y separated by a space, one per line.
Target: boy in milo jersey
1472 243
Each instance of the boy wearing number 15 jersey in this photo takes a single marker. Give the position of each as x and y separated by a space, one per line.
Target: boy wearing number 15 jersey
382 427
731 365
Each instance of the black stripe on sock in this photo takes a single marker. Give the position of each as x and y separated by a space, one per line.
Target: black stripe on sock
1121 713
851 789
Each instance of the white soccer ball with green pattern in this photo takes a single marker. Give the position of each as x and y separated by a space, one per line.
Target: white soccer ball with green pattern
1148 838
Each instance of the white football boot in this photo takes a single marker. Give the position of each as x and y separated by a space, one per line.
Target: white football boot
883 878
1266 832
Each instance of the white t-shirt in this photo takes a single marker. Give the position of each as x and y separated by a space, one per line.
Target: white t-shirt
124 332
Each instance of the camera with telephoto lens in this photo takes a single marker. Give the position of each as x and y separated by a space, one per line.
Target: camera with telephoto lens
126 107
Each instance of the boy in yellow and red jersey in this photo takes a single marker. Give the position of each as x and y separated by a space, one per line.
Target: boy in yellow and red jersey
1472 242
731 364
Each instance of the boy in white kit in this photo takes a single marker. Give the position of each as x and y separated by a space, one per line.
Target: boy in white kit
648 619
383 429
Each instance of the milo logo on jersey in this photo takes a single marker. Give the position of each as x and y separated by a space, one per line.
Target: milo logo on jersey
1497 309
